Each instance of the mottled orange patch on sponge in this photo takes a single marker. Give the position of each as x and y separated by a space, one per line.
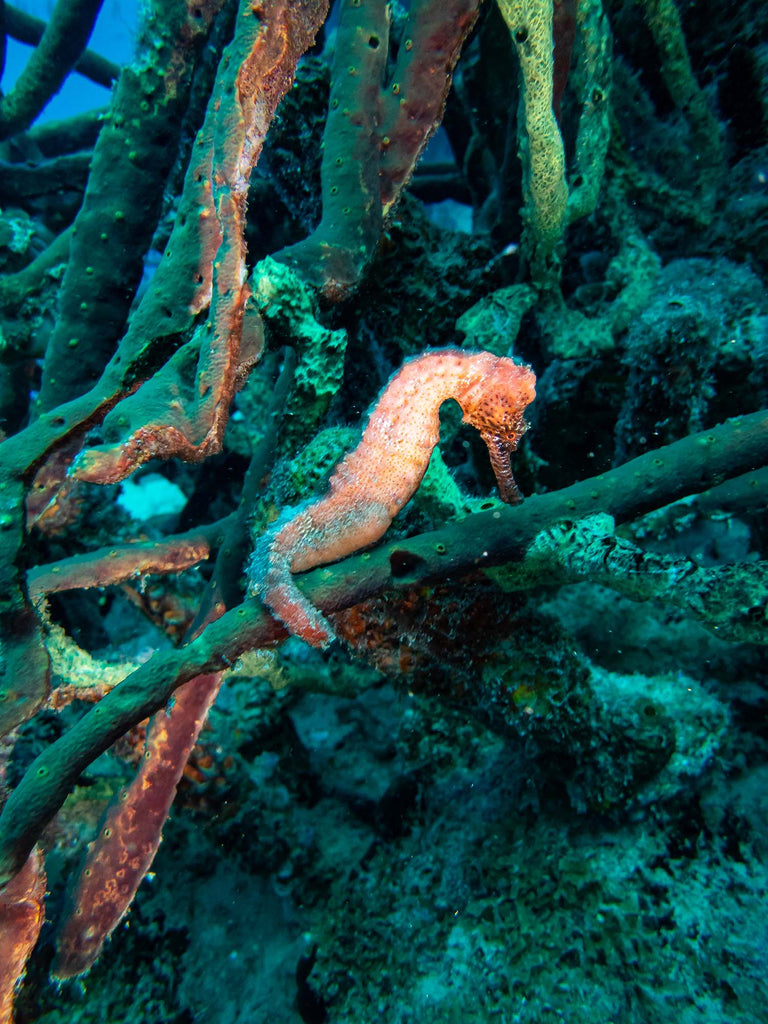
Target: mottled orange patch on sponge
371 484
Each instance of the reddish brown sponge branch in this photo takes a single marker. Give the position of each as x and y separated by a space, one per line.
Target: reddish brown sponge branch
414 100
117 562
377 126
122 853
371 485
21 917
130 833
182 409
255 72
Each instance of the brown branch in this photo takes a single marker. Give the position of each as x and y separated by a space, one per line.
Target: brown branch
109 565
375 131
255 73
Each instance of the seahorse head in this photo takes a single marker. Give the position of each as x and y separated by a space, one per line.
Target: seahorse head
498 393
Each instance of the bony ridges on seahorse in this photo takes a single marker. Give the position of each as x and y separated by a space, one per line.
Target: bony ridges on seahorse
372 483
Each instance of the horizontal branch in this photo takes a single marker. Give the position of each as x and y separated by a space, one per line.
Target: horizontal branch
482 540
49 177
108 565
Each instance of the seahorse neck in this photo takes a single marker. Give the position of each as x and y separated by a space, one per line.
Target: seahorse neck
444 374
404 427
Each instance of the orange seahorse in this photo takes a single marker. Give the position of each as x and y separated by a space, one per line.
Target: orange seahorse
373 482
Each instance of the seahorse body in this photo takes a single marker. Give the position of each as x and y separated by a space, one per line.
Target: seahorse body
373 482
